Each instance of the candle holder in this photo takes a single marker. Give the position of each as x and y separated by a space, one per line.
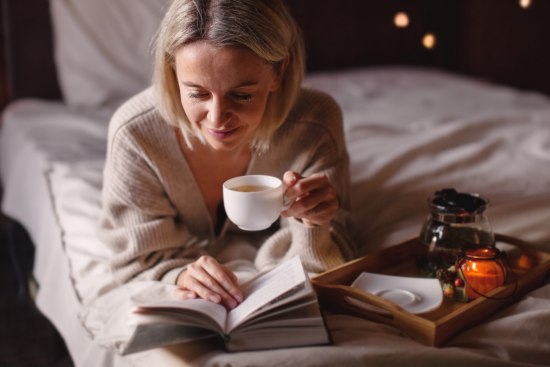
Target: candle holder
482 270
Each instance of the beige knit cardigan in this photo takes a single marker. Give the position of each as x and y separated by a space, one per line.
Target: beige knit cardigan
154 220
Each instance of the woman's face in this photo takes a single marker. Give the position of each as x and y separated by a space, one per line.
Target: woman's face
224 92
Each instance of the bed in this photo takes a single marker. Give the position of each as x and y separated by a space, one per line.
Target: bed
416 120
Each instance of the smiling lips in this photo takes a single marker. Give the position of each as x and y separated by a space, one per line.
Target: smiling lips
221 134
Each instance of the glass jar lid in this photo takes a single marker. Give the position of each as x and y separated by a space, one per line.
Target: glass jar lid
451 206
483 253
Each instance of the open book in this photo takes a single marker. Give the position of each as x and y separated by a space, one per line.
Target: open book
280 309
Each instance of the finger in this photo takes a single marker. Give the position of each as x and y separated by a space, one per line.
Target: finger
322 213
324 210
211 281
314 202
313 182
200 282
301 188
290 178
226 279
184 294
304 186
231 275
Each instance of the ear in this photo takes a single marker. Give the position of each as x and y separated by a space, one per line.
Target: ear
280 69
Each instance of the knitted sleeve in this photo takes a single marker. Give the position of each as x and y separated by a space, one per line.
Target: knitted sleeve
138 223
322 247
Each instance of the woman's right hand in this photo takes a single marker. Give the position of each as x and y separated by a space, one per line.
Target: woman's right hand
208 279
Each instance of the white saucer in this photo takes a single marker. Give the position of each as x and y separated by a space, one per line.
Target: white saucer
416 295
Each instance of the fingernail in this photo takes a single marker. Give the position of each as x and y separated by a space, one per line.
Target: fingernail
215 298
183 295
239 297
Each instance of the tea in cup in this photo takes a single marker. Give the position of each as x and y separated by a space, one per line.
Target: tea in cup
253 202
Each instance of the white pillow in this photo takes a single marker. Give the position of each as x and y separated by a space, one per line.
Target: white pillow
103 48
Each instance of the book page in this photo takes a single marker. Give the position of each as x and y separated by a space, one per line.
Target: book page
302 325
267 288
276 309
158 299
149 336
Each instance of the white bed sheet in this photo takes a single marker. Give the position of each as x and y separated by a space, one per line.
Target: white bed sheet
413 131
409 133
40 142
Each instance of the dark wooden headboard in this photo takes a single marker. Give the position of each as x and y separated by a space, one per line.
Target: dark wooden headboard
497 40
28 68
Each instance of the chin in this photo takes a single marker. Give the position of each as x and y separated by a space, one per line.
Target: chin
225 146
228 145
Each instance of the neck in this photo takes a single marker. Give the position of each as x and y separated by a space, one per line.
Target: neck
204 152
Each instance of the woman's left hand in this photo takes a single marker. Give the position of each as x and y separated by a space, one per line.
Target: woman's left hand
313 198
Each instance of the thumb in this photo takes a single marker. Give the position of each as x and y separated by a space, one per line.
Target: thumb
290 178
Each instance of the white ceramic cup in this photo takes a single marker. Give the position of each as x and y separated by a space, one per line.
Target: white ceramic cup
250 207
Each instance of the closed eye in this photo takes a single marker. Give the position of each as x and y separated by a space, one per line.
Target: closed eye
197 95
242 97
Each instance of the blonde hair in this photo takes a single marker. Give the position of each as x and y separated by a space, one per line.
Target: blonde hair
265 27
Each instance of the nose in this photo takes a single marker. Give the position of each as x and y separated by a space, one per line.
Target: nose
217 111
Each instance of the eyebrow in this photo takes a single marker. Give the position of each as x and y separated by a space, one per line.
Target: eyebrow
244 84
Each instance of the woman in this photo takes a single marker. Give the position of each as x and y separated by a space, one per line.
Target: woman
226 101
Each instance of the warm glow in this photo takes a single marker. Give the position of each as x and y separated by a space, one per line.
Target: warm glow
429 40
401 20
525 3
524 262
482 271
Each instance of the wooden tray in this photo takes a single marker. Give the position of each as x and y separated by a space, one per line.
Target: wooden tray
438 326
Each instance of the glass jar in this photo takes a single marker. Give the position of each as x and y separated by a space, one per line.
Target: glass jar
456 223
482 270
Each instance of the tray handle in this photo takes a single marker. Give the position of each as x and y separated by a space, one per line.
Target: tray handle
364 304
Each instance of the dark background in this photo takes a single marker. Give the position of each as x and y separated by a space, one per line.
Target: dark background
496 40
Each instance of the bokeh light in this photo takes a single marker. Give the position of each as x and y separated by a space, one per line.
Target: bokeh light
401 20
525 3
429 40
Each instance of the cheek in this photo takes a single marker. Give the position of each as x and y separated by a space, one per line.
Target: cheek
258 108
252 115
192 111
